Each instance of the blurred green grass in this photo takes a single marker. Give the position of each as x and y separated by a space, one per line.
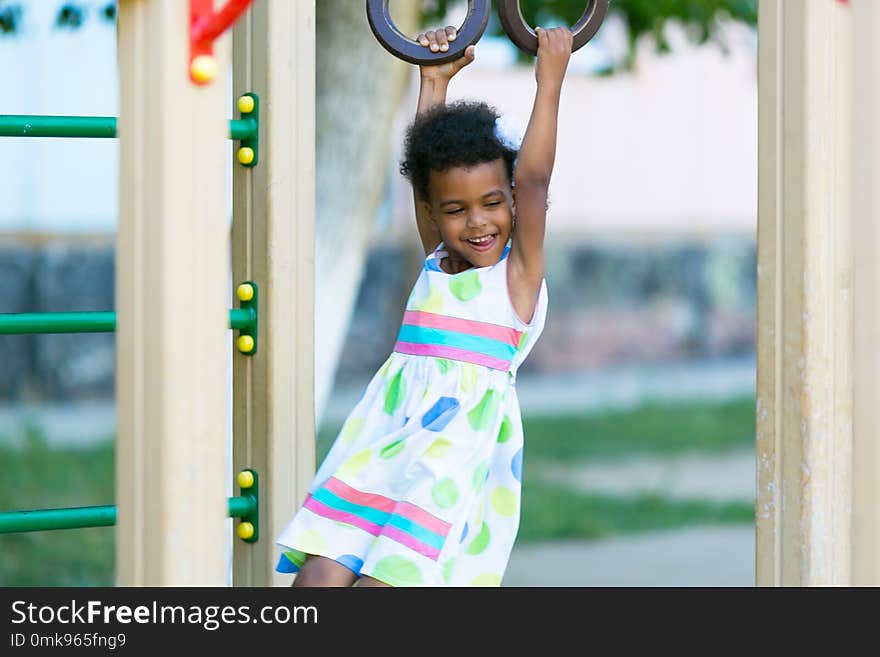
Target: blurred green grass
39 477
652 430
554 512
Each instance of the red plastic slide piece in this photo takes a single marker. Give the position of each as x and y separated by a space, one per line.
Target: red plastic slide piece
204 26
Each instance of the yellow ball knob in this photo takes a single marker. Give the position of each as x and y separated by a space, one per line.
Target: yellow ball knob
203 68
245 104
245 479
245 292
245 344
245 530
245 155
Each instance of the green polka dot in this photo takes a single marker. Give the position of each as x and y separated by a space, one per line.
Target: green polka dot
312 542
465 286
504 432
394 393
397 571
522 340
433 303
487 579
479 477
351 429
392 450
481 415
445 493
426 393
481 540
356 463
438 448
504 501
384 369
468 377
296 556
443 365
447 570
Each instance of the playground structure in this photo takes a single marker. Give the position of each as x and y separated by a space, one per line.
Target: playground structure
172 312
818 427
817 517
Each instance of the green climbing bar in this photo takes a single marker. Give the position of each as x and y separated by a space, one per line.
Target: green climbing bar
23 125
90 322
83 322
42 519
13 522
26 125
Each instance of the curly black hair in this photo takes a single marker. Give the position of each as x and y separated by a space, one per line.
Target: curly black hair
460 134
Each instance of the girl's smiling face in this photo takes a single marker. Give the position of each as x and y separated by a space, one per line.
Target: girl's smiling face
473 210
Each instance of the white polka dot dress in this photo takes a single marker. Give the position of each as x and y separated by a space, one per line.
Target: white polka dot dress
422 485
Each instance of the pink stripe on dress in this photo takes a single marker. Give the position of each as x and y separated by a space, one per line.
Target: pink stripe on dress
503 334
391 532
412 543
382 503
453 353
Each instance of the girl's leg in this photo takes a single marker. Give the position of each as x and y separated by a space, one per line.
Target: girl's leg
321 571
366 580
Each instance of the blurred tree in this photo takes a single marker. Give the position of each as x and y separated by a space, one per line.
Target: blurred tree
359 86
700 18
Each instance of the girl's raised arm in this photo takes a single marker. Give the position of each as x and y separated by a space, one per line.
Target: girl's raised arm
536 155
433 82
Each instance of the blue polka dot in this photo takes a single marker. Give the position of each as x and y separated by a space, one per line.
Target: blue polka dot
464 533
285 565
351 562
406 419
516 464
440 414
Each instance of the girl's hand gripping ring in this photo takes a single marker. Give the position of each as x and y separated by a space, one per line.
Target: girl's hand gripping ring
521 34
412 51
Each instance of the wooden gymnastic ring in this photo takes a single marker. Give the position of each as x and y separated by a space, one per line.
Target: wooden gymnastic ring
415 53
521 34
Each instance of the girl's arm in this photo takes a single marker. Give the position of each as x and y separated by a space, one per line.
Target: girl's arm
433 82
536 155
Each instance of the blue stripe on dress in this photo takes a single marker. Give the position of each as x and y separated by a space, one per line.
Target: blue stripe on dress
476 343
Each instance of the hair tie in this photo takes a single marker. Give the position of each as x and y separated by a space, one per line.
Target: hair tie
509 132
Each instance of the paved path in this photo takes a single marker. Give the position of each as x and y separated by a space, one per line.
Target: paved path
699 556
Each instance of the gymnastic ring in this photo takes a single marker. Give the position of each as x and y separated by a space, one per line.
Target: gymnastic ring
412 51
521 34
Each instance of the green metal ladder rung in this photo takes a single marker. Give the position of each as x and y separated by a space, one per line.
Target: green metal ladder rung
245 506
97 127
93 322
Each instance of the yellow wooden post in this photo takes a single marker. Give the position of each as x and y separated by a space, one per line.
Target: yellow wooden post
171 299
817 417
273 245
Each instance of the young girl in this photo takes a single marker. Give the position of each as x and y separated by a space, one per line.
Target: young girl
422 485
